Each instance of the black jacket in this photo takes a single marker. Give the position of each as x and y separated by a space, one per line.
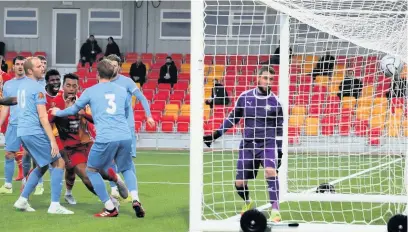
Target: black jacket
138 70
4 66
112 48
172 70
88 47
399 89
219 95
350 87
325 64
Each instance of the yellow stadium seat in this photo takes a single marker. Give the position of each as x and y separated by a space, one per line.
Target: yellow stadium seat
367 91
365 102
337 80
334 89
398 112
363 113
174 114
377 121
218 68
348 102
207 111
10 65
405 127
307 67
133 101
312 126
381 101
297 59
404 72
147 66
126 67
207 69
322 80
296 120
185 108
379 111
311 59
298 110
185 68
340 67
171 108
393 126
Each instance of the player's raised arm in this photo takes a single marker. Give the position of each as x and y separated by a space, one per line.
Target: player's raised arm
141 97
75 108
233 118
8 101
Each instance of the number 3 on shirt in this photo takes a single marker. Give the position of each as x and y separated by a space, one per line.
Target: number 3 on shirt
21 98
111 102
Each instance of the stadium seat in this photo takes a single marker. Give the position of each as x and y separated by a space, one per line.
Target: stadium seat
312 126
26 54
315 110
10 55
177 56
187 99
185 68
150 85
345 125
139 116
296 120
183 127
367 91
150 129
323 80
304 88
207 111
160 56
377 121
236 59
405 127
365 102
327 125
251 60
147 56
348 102
154 75
318 98
158 106
177 95
149 95
156 67
171 108
156 115
361 128
39 53
185 108
167 118
293 135
167 127
187 58
164 87
180 86
363 113
138 125
319 89
393 126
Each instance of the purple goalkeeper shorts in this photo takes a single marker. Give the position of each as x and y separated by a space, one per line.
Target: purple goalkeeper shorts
252 154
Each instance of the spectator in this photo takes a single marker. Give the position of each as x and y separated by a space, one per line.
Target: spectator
324 66
350 86
168 72
112 48
219 95
275 58
4 65
138 72
89 50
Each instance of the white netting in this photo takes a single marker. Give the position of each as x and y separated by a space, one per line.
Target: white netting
380 25
356 145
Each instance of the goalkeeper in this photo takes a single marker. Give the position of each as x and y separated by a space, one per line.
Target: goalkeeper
263 118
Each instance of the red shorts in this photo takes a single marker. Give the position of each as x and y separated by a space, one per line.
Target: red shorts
77 155
59 143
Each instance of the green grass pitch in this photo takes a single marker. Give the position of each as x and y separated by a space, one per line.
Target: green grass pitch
163 188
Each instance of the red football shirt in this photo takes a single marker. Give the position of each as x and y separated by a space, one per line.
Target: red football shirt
73 130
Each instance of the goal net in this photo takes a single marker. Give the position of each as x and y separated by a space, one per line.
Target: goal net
345 122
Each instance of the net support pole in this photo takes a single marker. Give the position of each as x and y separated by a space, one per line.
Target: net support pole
284 62
196 114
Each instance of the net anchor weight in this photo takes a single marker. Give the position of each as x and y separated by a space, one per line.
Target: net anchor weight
255 221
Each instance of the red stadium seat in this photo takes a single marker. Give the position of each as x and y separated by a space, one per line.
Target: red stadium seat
301 100
149 95
293 134
187 58
236 59
164 86
304 88
180 86
318 98
177 95
156 66
150 85
156 115
183 76
39 53
345 125
158 106
177 56
361 128
208 59
154 75
220 59
183 127
139 116
150 129
162 95
138 125
146 56
183 118
167 127
161 56
167 118
319 89
138 107
315 109
26 54
397 103
187 99
328 123
10 55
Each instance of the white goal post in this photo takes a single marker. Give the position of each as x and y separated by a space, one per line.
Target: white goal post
359 144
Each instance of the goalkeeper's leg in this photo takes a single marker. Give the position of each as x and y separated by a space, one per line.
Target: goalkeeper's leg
271 176
245 171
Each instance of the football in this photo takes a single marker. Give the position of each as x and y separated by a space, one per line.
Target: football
391 66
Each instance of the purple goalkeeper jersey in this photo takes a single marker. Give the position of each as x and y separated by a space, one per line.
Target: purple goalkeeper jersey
262 115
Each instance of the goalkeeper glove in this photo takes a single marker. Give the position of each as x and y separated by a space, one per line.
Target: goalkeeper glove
208 139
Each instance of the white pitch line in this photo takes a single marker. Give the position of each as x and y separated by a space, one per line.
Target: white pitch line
266 206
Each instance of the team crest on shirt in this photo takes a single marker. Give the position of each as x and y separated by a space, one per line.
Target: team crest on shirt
268 107
41 95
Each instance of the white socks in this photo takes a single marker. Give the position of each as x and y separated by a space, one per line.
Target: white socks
55 204
109 205
68 192
135 195
8 185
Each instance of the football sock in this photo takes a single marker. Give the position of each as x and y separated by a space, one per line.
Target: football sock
243 192
115 168
135 195
9 170
69 180
26 164
56 184
273 190
19 160
130 180
31 182
98 185
109 205
134 172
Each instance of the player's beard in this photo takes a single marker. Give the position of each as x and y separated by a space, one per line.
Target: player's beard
265 91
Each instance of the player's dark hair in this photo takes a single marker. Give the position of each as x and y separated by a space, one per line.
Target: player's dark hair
113 57
266 69
51 72
106 70
42 58
70 76
18 58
